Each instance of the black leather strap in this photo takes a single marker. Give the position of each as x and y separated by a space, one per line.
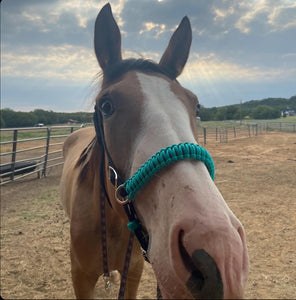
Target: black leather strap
141 234
98 122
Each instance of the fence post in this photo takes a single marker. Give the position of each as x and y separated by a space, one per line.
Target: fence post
72 128
256 129
216 134
13 157
249 130
226 135
46 152
234 132
205 135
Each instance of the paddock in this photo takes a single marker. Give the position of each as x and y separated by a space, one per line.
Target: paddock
255 175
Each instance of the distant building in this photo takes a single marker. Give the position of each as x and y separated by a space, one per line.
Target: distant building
288 112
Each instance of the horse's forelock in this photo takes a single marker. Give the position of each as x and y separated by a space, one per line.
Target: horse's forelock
115 71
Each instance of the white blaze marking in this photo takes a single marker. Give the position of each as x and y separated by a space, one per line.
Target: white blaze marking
165 116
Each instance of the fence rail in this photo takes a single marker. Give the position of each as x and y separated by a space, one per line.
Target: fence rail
226 133
31 150
44 150
281 126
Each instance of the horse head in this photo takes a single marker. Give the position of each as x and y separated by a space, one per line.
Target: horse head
197 246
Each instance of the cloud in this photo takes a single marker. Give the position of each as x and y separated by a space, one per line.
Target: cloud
282 18
170 13
158 29
31 22
67 63
50 42
221 14
254 11
279 15
155 56
212 68
288 55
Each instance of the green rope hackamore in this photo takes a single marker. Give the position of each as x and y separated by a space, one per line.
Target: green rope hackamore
163 158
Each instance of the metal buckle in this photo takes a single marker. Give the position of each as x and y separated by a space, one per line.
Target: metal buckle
121 199
113 176
145 255
107 283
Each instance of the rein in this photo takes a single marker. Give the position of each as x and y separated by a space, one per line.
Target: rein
125 191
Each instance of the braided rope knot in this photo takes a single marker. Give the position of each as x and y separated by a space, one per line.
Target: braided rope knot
163 158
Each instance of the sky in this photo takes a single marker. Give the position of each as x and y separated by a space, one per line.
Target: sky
241 50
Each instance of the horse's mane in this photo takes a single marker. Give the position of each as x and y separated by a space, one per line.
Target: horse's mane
115 71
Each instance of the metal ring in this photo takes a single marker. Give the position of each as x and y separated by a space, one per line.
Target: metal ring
120 199
111 169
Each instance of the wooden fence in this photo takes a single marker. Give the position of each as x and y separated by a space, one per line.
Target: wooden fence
32 150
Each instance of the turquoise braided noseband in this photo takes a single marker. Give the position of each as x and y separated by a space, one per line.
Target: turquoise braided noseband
163 158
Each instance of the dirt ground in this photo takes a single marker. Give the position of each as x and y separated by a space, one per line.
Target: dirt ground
257 177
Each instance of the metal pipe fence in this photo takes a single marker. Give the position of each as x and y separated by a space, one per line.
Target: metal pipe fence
32 150
280 126
225 134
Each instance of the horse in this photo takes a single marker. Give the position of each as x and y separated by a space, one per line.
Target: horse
195 244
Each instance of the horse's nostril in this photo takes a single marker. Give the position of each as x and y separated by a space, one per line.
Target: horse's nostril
196 281
184 254
205 281
213 285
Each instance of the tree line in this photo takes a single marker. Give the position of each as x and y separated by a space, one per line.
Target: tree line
269 108
11 118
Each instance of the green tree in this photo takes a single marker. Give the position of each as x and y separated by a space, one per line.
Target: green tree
2 122
265 112
230 112
207 114
45 117
40 115
8 116
17 119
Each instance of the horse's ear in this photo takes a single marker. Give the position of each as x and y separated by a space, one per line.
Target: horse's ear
107 39
177 51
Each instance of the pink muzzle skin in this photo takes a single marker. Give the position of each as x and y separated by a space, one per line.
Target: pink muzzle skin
198 247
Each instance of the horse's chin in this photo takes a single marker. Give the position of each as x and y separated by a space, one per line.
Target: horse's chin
172 288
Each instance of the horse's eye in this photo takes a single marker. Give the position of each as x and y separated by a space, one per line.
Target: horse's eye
107 107
197 110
